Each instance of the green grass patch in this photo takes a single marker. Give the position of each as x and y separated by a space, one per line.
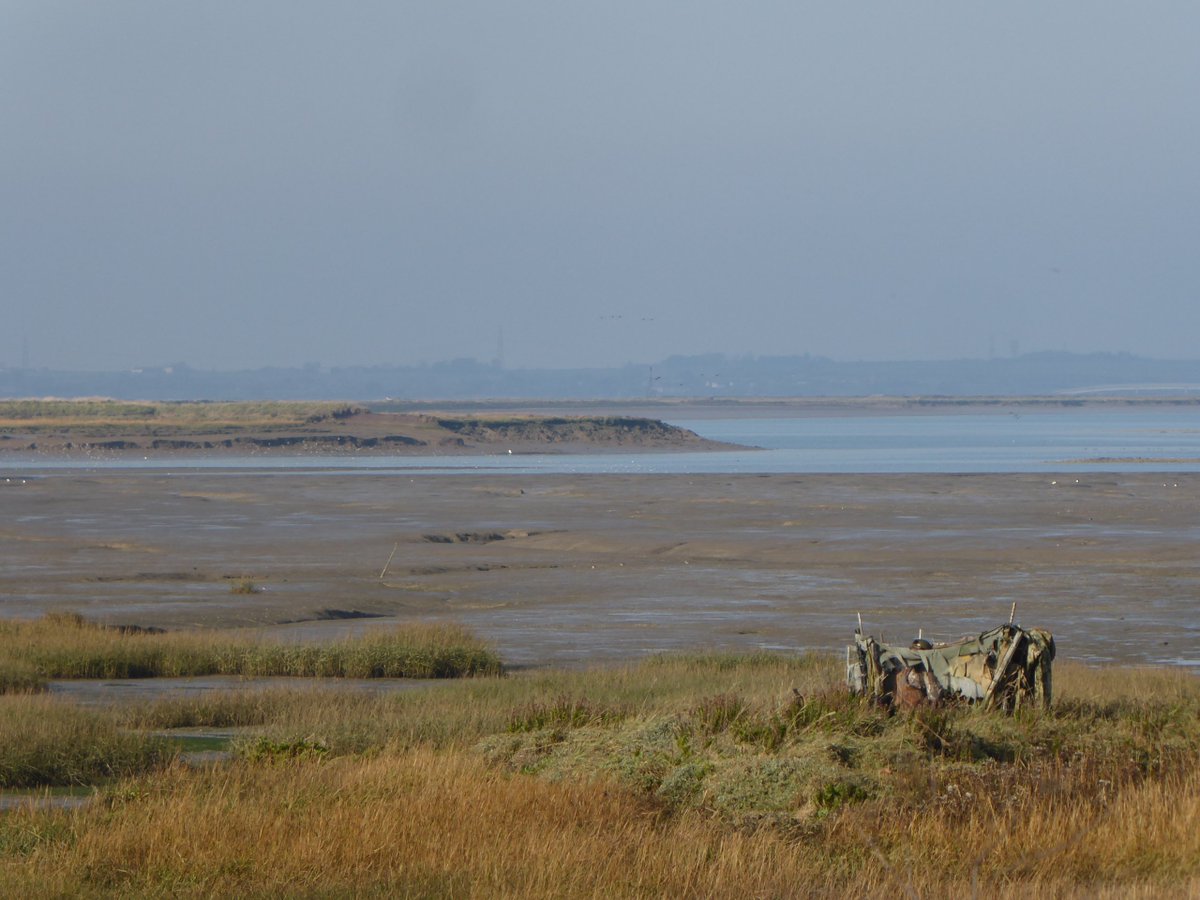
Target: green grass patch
274 752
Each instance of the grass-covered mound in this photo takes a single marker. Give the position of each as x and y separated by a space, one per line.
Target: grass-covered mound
794 760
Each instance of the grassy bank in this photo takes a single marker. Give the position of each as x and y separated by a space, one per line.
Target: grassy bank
702 775
67 646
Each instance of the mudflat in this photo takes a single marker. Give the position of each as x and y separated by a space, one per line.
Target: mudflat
581 569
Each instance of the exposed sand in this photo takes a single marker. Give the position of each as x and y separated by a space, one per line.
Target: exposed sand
580 569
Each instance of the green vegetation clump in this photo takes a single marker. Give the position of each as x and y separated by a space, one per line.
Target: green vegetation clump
265 750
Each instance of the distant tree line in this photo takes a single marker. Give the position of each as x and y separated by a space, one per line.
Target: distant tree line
710 375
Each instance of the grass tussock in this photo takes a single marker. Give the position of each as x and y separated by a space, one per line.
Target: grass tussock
697 775
67 646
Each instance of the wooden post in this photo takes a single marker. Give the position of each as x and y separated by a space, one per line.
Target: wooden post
1002 669
389 560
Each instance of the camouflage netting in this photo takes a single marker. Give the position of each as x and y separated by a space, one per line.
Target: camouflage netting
1006 667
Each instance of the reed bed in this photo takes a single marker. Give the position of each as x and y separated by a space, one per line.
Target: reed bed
67 646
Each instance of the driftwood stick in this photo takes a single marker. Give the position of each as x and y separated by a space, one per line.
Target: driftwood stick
389 560
1002 668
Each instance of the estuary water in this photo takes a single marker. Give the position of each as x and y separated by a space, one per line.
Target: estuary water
1074 440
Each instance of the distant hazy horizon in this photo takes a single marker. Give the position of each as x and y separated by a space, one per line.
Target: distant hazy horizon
239 185
740 358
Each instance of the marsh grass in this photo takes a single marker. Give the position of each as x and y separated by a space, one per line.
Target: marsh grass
562 712
685 776
428 823
44 741
67 646
20 677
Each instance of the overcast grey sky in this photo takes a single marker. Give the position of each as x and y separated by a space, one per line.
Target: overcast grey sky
238 184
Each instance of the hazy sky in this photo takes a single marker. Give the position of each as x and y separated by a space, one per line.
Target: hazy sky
238 184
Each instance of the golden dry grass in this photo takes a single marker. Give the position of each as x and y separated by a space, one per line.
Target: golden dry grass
429 823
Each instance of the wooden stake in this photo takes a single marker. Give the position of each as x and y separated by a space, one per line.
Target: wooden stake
1013 613
389 562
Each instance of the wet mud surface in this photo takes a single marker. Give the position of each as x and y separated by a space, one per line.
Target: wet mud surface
581 569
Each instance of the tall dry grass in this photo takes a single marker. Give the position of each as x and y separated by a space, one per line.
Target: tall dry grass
702 775
67 646
430 823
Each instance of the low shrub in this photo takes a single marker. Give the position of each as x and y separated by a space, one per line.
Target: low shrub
265 750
